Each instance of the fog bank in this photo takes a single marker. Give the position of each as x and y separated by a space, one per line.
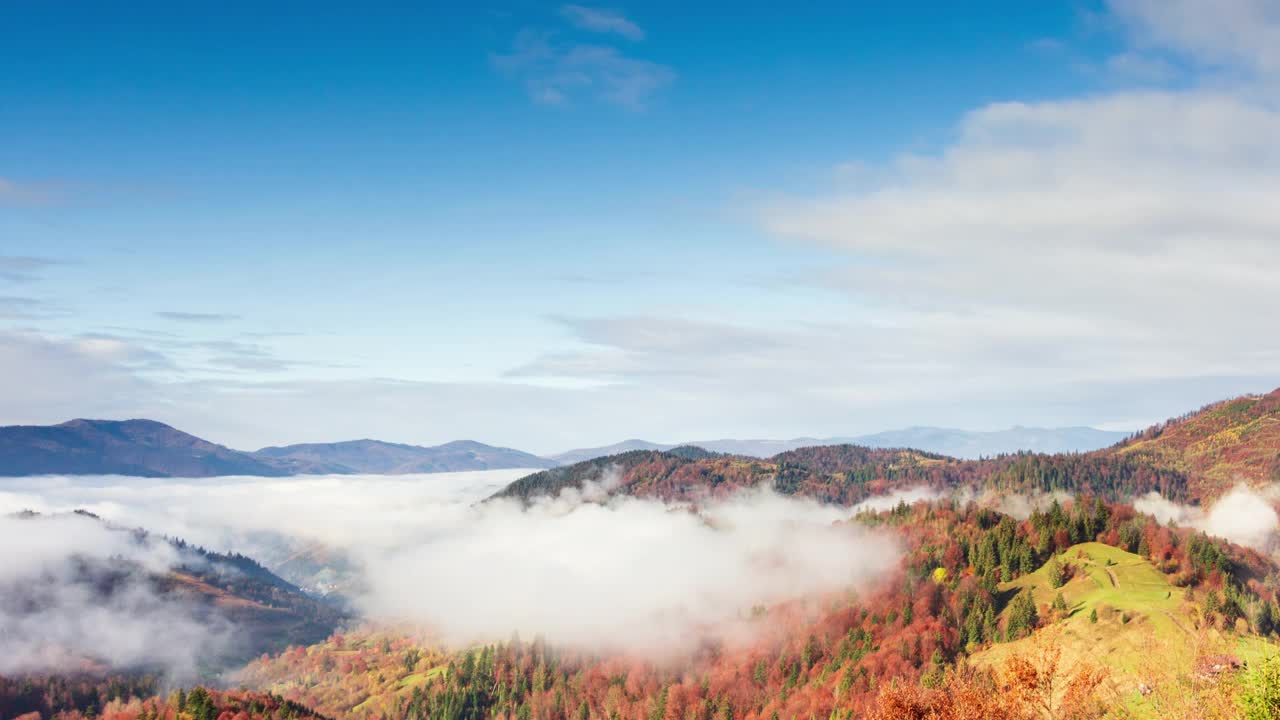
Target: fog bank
581 569
1244 516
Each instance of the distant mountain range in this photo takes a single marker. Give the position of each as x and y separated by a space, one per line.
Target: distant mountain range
374 456
152 449
964 444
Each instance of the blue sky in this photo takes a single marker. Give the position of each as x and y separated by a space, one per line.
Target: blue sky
550 224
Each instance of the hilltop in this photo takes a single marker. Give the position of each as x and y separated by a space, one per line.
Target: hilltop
120 447
1125 615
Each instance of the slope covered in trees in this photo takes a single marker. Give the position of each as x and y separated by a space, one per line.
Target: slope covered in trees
1234 441
955 596
848 474
137 698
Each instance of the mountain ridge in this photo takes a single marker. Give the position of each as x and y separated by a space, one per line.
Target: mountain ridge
149 448
386 458
953 442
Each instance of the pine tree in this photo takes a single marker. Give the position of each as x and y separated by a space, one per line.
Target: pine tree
1023 616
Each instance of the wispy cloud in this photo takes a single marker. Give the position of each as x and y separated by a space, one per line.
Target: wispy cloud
601 21
1240 36
196 317
556 72
22 194
22 268
23 308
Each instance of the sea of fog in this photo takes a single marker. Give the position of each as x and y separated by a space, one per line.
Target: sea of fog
582 569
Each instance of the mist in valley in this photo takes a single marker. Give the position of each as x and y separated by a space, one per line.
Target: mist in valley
584 569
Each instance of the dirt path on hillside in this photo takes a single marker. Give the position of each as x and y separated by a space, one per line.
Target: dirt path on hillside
1115 581
1178 622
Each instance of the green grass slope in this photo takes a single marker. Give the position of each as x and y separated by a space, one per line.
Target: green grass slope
1145 626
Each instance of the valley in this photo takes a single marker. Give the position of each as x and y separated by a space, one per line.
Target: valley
1002 564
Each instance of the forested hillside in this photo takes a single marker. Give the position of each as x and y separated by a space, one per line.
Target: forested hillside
1231 442
848 474
969 582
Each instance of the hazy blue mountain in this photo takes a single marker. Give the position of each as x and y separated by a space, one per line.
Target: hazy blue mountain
575 456
152 449
384 458
120 447
946 441
973 444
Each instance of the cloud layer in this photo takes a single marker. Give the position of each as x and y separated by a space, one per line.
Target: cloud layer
626 573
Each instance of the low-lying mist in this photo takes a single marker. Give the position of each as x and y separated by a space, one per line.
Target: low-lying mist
626 574
1244 515
581 569
73 591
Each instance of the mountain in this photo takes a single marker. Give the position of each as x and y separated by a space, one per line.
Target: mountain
1221 445
966 444
152 449
377 457
971 444
582 454
120 447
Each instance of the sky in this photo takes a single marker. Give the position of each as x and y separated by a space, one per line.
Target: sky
550 225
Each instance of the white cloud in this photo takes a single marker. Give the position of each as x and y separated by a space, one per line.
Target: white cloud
601 21
47 379
909 496
54 616
1074 231
1242 34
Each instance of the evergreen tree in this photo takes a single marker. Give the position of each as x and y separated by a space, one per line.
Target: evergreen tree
1023 616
